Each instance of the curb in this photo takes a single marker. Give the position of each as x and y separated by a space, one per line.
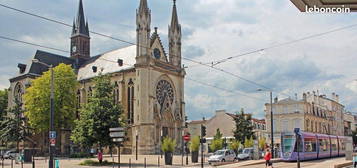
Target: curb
343 164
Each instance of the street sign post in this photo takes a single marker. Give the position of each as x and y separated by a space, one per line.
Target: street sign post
118 136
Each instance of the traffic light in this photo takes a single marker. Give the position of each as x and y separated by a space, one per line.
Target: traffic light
203 131
186 124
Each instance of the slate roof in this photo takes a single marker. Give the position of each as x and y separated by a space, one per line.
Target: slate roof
36 69
107 62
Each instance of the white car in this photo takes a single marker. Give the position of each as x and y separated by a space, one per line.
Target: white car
247 153
224 155
11 154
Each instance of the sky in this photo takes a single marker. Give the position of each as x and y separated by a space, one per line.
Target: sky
212 30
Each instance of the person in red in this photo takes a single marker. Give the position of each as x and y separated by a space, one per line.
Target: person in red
267 158
100 156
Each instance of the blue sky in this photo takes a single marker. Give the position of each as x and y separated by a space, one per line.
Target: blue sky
212 30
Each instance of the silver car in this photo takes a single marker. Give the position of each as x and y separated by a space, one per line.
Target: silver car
11 154
224 155
246 154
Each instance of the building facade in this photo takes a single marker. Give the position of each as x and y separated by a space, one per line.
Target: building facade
313 113
149 83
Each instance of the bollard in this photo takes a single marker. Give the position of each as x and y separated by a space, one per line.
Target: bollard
158 161
129 162
144 162
33 163
56 163
12 163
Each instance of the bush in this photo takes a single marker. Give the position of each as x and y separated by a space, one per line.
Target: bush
81 155
216 145
168 145
95 163
195 144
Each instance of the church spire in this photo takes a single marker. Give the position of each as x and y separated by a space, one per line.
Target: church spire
80 23
174 19
80 40
143 23
143 8
175 39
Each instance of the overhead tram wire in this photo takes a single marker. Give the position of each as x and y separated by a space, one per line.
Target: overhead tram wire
65 51
125 41
214 63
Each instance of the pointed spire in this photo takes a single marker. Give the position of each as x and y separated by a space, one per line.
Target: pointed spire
80 21
87 28
174 19
74 27
143 8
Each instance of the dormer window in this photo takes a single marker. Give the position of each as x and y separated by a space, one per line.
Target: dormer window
22 68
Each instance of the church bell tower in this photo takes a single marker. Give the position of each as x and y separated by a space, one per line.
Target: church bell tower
80 40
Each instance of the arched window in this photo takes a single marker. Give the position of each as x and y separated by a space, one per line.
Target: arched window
18 93
116 93
130 99
307 124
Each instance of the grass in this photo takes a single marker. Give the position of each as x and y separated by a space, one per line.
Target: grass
95 163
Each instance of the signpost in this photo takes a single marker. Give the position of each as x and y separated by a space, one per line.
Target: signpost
297 134
187 138
118 136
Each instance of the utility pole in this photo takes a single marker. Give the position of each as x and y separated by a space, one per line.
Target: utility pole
271 124
52 116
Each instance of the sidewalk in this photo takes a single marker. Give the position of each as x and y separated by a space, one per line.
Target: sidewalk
247 163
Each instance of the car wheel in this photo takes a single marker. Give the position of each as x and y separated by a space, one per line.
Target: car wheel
223 160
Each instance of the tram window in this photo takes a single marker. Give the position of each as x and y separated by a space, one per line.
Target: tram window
324 145
310 145
300 148
334 144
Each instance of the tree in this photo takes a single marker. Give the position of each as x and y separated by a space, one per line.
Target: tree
234 145
244 128
13 127
262 142
37 99
98 115
248 143
3 103
217 142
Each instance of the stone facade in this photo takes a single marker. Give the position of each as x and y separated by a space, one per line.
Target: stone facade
313 113
149 83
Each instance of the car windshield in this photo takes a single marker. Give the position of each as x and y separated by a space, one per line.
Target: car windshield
220 152
246 151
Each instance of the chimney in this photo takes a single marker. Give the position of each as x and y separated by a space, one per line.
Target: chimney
337 99
276 99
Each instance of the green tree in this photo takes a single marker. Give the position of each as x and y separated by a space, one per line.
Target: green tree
13 127
98 115
244 128
217 142
37 99
234 145
262 142
3 103
248 143
195 144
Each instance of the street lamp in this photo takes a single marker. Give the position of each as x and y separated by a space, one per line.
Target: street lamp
136 144
52 130
271 120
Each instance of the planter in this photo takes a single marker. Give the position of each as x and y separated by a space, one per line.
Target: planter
168 158
194 156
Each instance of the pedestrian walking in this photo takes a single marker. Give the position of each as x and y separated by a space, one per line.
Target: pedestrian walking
100 156
355 160
267 159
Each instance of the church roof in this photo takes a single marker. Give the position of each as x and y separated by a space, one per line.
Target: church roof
37 69
107 62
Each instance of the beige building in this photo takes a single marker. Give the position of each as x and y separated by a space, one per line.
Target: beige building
149 82
313 113
194 127
349 122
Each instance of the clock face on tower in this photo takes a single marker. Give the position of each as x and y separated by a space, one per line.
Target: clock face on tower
164 94
74 48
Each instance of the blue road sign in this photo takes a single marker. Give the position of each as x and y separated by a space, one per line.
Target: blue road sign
52 135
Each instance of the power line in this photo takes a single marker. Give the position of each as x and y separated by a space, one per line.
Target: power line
33 44
125 41
199 82
226 90
282 44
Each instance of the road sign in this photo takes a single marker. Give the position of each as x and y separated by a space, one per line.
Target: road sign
186 138
117 134
118 129
118 139
52 134
53 142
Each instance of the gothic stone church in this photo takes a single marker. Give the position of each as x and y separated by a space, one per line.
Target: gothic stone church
149 84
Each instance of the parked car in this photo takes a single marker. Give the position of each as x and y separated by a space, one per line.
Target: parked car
10 154
224 155
246 154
